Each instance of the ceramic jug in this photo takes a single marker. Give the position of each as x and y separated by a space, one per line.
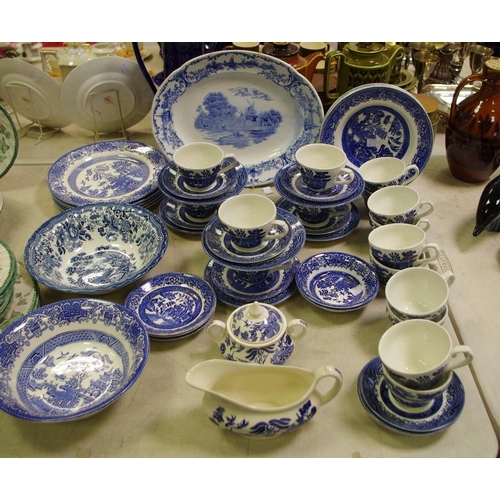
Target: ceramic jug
359 63
443 71
261 401
473 130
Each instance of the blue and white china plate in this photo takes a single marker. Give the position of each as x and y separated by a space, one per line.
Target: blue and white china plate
230 182
284 184
290 180
9 142
172 304
106 94
96 248
32 93
230 300
25 297
373 392
70 359
124 171
230 282
217 244
337 281
174 213
254 106
379 119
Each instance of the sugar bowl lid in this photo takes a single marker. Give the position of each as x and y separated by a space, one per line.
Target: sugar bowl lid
256 323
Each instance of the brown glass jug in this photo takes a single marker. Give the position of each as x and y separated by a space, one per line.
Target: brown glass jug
473 130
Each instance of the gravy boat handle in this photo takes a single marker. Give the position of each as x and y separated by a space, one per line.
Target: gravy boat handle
328 371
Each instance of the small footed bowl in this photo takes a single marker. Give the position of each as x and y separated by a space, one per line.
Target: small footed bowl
96 248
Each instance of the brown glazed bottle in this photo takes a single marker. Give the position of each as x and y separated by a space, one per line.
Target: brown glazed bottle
473 131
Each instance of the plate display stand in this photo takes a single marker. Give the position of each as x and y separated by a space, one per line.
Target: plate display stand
106 93
35 128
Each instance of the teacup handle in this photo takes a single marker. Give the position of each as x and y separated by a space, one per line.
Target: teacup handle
297 328
277 235
411 173
231 165
449 277
341 179
433 249
328 371
429 210
424 224
457 363
216 329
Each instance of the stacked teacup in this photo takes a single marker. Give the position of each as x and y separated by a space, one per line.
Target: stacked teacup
319 189
418 362
253 246
200 177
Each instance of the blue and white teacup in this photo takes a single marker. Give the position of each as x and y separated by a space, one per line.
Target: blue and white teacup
199 164
392 204
318 215
250 220
323 166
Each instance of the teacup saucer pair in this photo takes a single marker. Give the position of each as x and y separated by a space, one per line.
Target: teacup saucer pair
373 393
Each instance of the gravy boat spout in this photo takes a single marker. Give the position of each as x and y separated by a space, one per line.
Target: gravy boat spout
261 401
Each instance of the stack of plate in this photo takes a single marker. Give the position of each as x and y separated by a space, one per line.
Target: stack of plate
265 274
188 211
18 291
173 306
115 171
298 198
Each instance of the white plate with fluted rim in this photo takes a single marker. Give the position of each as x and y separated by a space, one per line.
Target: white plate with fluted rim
32 93
172 304
337 281
124 171
9 142
252 105
376 120
7 267
104 92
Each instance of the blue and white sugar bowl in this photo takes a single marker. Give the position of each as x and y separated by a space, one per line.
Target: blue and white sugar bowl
257 333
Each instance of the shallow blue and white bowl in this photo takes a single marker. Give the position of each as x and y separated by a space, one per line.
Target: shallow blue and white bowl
70 359
96 248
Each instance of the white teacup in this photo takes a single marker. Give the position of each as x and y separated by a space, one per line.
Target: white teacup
322 166
401 245
199 163
386 171
393 204
419 293
417 353
250 219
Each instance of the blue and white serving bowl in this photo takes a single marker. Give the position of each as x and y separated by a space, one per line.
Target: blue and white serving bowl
70 359
96 248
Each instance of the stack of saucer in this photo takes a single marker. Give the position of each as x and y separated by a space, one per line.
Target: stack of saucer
263 273
8 268
188 210
326 215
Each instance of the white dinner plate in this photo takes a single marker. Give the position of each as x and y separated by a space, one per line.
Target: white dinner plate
9 142
379 119
254 106
97 91
32 93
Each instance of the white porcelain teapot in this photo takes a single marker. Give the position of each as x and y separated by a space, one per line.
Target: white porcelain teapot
257 333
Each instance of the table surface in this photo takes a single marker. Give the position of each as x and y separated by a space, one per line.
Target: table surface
161 416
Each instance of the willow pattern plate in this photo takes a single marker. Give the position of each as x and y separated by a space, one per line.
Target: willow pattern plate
254 106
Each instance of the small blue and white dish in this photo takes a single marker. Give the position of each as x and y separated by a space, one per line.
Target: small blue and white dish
96 248
219 247
230 182
172 304
236 283
70 359
374 395
288 182
336 234
337 281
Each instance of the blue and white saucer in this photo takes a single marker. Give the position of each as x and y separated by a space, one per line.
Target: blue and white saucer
230 300
337 234
374 394
230 182
289 184
232 282
173 214
172 304
337 281
273 253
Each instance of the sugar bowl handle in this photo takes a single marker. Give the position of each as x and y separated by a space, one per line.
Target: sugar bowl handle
297 328
216 329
